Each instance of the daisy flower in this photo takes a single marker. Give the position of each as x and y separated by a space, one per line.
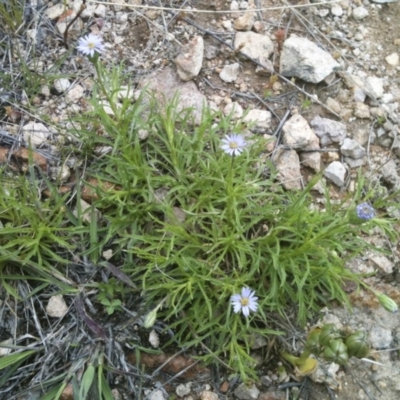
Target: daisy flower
90 44
365 211
246 301
233 144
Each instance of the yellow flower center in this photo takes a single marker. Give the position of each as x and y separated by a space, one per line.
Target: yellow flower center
91 45
233 145
244 301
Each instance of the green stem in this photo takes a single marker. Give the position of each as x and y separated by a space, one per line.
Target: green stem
99 74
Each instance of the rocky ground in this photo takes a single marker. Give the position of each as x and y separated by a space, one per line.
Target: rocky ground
321 79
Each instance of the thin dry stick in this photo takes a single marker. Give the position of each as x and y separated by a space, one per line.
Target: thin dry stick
83 6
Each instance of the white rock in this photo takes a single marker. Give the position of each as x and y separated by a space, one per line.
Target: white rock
384 264
154 339
311 159
156 395
227 25
62 85
234 6
360 13
166 84
359 95
60 173
303 59
88 11
183 390
328 130
245 392
230 72
389 173
336 172
351 148
374 86
45 91
245 22
387 98
333 105
100 11
75 93
190 60
380 338
235 109
253 44
323 12
337 10
287 163
208 395
259 119
355 162
55 11
35 133
393 59
361 110
108 254
56 307
297 134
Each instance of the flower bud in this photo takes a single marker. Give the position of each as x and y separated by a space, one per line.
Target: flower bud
336 352
150 318
387 303
357 345
312 343
328 333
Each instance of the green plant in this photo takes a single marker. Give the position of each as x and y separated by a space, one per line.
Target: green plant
12 14
193 225
107 293
306 103
35 232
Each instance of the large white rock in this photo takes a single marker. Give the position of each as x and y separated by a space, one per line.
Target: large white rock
62 84
351 148
328 130
297 134
234 109
230 72
190 60
258 119
360 13
336 172
392 59
253 44
374 86
35 133
287 163
56 11
166 84
75 93
245 22
303 59
56 307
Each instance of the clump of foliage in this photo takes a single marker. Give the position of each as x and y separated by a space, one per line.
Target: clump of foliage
194 225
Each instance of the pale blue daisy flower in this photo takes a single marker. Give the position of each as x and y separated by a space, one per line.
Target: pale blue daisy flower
233 144
246 301
90 44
